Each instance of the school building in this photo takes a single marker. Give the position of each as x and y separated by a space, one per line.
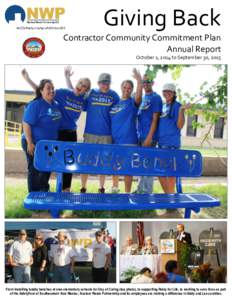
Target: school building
191 137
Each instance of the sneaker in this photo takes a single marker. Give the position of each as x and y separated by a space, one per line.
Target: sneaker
115 190
83 190
101 190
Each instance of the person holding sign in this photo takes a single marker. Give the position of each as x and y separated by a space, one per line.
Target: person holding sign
124 121
171 122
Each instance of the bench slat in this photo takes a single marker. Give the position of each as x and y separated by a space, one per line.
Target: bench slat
72 201
82 158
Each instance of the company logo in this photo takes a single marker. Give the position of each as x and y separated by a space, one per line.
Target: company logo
33 47
15 12
35 14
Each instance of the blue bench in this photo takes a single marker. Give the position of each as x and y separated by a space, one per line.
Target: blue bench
69 157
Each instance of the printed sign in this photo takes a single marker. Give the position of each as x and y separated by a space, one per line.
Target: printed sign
116 159
167 246
80 240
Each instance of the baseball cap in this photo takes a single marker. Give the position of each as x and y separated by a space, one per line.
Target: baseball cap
104 77
169 87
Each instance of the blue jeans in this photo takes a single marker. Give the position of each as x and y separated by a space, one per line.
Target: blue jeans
145 185
36 180
22 274
62 274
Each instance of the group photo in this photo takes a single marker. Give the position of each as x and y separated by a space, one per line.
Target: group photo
92 141
173 252
61 252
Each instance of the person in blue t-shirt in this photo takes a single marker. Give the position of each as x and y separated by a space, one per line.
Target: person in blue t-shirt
124 121
98 124
148 118
171 269
41 121
169 130
71 104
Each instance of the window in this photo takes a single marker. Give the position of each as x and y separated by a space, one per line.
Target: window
219 129
190 130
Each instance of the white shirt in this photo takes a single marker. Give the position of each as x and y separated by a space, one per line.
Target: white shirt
62 254
140 278
100 250
21 251
181 236
130 250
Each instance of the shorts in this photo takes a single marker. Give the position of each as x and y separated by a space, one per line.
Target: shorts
97 139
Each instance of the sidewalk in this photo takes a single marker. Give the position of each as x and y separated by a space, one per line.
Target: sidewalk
199 181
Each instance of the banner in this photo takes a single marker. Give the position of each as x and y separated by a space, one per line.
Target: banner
80 240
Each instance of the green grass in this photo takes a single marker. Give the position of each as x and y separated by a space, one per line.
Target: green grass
221 152
218 191
15 193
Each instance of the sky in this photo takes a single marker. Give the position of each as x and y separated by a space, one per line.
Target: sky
111 226
189 82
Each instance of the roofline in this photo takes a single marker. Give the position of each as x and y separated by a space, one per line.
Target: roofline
20 92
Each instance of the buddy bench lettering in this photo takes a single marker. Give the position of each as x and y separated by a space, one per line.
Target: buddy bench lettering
69 157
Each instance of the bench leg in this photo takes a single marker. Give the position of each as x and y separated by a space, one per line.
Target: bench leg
187 213
55 213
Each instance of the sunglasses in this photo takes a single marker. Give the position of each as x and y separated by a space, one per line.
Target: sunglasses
38 238
22 233
146 81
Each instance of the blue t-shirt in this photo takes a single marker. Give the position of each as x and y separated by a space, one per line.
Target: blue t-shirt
175 278
44 119
168 132
98 106
70 106
123 122
151 103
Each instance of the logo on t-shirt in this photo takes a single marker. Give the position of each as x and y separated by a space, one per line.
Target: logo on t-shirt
54 114
145 105
165 111
117 108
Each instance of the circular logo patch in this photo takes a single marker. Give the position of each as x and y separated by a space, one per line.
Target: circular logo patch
33 47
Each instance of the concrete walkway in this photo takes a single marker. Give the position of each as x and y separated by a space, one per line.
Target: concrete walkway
199 181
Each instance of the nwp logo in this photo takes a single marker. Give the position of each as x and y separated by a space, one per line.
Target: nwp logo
34 15
14 12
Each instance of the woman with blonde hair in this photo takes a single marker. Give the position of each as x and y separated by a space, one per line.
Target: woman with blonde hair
149 247
40 256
